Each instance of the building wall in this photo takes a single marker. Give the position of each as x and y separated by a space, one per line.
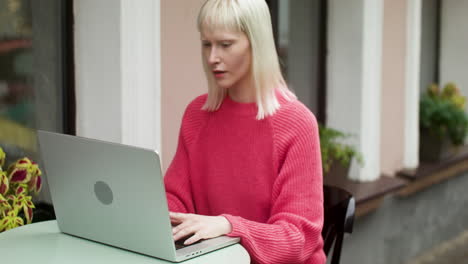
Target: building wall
182 72
393 86
403 228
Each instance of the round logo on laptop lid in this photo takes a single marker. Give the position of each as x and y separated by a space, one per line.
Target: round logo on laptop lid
103 192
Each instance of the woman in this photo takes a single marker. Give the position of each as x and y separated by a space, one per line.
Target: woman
248 158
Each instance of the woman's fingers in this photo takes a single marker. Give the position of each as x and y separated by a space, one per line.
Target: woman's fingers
194 238
184 231
177 218
181 226
198 226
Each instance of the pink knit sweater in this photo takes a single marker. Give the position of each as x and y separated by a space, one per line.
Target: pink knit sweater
264 176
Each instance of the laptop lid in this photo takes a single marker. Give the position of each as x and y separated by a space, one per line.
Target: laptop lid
109 193
113 194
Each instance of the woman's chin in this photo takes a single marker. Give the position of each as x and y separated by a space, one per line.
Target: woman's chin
222 85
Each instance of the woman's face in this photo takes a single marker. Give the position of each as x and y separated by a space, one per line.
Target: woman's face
228 56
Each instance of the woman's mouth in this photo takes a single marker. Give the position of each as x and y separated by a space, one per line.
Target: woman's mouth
219 74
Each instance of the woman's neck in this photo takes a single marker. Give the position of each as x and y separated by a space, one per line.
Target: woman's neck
241 97
243 92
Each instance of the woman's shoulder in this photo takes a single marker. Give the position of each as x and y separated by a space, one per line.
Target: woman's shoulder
194 114
293 124
197 103
194 108
294 114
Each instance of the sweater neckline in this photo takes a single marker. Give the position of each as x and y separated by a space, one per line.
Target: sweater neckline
245 109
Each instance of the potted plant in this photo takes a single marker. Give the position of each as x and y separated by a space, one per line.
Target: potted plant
336 155
17 185
443 122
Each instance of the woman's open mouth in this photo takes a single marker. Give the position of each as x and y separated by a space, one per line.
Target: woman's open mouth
219 74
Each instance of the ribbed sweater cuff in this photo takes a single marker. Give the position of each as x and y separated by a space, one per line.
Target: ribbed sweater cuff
237 227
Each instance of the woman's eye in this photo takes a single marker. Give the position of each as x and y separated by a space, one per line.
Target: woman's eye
206 44
225 45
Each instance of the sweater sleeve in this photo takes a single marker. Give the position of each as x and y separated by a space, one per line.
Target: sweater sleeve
292 234
177 179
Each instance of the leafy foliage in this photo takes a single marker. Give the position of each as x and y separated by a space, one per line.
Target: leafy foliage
442 113
332 148
22 179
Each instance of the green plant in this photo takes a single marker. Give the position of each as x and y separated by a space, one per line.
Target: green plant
333 149
22 179
442 113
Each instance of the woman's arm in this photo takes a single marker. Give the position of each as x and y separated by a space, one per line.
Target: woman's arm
177 181
292 234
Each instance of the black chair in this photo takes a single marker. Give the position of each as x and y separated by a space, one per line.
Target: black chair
339 208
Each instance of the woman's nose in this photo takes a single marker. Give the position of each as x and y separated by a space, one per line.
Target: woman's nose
213 56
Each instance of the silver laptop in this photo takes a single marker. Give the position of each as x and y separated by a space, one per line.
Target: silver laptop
113 194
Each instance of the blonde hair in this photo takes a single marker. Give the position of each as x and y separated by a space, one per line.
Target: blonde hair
251 17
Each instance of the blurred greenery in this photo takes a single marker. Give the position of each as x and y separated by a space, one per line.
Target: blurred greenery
442 113
333 148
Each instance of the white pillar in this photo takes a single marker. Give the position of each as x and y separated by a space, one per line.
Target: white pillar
354 78
412 89
97 69
141 73
117 62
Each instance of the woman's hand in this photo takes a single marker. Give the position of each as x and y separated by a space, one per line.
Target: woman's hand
199 226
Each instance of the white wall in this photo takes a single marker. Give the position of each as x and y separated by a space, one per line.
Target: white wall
117 63
454 43
183 77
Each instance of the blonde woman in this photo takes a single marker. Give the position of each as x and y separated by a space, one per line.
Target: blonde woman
248 158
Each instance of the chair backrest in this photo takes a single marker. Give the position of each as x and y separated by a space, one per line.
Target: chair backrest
339 208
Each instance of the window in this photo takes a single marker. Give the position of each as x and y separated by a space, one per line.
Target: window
300 33
430 43
36 84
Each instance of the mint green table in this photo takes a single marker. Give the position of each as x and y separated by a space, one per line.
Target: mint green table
43 243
